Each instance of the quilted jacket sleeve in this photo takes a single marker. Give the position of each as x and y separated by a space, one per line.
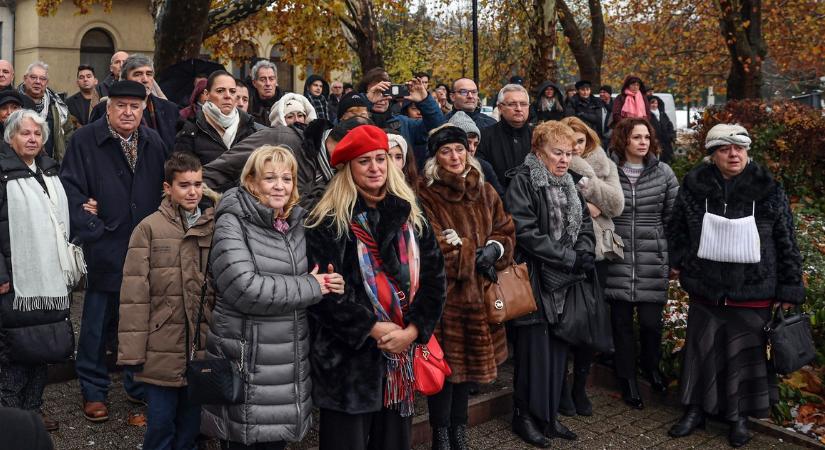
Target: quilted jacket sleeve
135 300
243 288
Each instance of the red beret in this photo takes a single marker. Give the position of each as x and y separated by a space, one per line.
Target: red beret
360 140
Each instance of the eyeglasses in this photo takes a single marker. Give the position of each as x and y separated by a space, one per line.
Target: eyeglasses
514 105
36 78
466 92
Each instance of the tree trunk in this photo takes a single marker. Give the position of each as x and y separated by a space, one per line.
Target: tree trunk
588 55
361 33
173 42
543 39
742 31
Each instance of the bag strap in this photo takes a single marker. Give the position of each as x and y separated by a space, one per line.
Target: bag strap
196 342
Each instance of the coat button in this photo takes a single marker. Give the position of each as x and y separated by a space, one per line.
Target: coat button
134 205
120 173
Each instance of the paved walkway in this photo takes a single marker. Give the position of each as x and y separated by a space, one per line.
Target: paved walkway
613 425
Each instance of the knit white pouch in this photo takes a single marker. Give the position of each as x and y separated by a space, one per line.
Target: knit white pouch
729 240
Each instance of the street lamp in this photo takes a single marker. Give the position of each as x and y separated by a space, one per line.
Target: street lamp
475 41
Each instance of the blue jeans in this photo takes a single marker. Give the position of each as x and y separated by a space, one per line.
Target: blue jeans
172 422
100 312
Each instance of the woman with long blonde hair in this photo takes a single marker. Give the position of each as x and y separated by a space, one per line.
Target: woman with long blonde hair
264 285
369 227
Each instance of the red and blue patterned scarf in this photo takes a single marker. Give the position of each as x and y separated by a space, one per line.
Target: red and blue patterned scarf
391 298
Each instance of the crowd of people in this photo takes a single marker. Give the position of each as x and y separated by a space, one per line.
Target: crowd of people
316 240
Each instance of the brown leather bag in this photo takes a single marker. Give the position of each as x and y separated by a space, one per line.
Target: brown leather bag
511 297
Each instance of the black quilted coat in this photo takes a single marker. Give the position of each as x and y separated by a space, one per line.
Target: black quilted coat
643 274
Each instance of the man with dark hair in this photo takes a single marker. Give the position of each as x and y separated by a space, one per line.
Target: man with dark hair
10 101
112 174
588 108
376 84
348 88
81 104
425 79
465 97
606 96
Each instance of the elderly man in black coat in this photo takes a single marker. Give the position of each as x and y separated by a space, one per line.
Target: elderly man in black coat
113 174
506 144
160 115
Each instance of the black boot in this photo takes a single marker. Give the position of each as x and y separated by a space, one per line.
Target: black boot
630 393
657 380
739 434
583 405
566 406
525 427
441 438
458 437
557 429
693 418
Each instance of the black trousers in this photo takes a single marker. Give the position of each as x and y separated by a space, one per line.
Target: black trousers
650 336
540 365
449 407
381 430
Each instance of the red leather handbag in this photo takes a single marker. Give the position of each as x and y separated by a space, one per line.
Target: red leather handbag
430 368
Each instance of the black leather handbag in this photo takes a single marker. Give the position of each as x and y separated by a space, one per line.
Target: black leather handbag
49 343
212 381
585 321
790 341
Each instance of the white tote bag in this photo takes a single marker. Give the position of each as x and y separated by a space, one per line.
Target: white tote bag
729 240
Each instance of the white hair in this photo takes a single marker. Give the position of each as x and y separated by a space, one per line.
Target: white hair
15 122
512 87
39 64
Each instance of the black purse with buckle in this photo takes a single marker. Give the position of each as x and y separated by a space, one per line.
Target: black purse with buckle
790 341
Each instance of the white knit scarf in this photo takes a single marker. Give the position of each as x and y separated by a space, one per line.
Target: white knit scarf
228 123
39 247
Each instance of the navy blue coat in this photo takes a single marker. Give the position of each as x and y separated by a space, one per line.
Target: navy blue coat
95 167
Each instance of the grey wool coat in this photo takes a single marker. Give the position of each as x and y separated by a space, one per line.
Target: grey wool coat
643 274
263 289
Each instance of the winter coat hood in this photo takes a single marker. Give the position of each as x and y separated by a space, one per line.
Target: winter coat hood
313 78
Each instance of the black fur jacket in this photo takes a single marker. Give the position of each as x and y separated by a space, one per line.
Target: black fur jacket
777 276
347 366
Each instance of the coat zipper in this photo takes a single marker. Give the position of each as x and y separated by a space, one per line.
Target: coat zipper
296 356
633 240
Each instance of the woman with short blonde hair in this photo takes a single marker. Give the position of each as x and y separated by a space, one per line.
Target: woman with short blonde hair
264 285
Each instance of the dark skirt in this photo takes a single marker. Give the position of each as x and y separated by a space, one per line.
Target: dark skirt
725 369
540 366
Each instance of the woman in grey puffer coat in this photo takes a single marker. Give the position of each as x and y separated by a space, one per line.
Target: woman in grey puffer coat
640 281
259 268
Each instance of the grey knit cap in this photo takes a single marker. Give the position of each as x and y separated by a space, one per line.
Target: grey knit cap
465 122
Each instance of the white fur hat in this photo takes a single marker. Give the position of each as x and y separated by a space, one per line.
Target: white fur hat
291 102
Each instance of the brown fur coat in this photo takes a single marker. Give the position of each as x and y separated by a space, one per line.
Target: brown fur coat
473 209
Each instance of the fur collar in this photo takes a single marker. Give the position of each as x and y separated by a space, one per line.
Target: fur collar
457 188
385 222
753 184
